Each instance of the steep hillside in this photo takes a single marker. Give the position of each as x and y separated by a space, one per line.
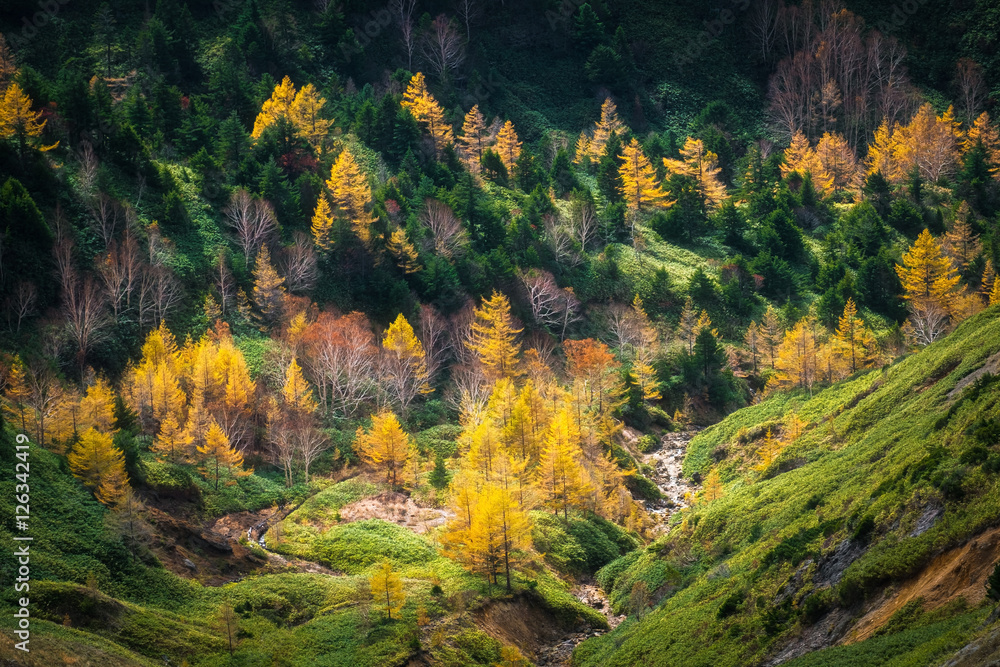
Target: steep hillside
875 528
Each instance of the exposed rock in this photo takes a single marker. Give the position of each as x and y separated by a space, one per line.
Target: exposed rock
831 567
825 632
927 519
189 564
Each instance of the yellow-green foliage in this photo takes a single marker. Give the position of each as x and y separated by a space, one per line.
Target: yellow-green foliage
879 449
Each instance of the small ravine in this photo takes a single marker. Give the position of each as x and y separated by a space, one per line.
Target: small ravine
667 463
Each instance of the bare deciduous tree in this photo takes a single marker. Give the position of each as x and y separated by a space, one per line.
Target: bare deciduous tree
161 292
20 304
120 269
449 236
85 308
340 360
107 215
469 11
301 265
928 321
624 329
310 444
971 87
551 305
763 22
252 219
561 241
403 10
89 166
584 224
224 282
434 337
442 47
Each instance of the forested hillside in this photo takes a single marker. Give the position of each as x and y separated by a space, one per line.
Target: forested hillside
500 332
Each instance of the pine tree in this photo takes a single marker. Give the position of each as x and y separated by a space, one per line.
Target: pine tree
387 589
494 337
217 454
385 447
985 133
268 287
352 194
322 224
701 166
305 113
927 273
639 186
475 139
508 146
277 106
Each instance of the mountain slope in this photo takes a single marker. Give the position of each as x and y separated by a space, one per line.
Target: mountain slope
894 467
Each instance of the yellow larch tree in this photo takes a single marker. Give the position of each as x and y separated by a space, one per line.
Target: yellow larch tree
883 152
475 139
403 251
855 344
796 361
927 273
217 454
95 459
929 143
508 146
493 337
427 111
772 332
352 193
18 121
296 391
97 408
645 351
712 489
987 280
769 451
609 126
961 243
152 387
995 293
385 447
405 363
560 476
838 161
639 186
686 328
268 288
18 392
322 224
582 154
985 133
702 166
387 589
801 157
306 114
171 442
528 423
277 106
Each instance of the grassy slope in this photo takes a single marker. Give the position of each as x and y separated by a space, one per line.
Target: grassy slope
866 465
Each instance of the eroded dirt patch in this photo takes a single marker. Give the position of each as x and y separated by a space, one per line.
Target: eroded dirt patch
396 508
958 572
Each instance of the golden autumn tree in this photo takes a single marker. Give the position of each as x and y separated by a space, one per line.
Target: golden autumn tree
475 138
152 387
995 293
961 243
702 166
645 350
405 363
582 152
322 224
560 475
494 337
608 126
838 162
427 111
385 447
97 408
352 193
95 459
712 489
597 386
772 331
387 589
801 157
928 143
984 133
796 363
217 455
268 288
639 186
171 442
277 106
927 273
768 451
296 391
306 114
17 120
403 251
529 420
508 147
883 152
855 343
18 392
